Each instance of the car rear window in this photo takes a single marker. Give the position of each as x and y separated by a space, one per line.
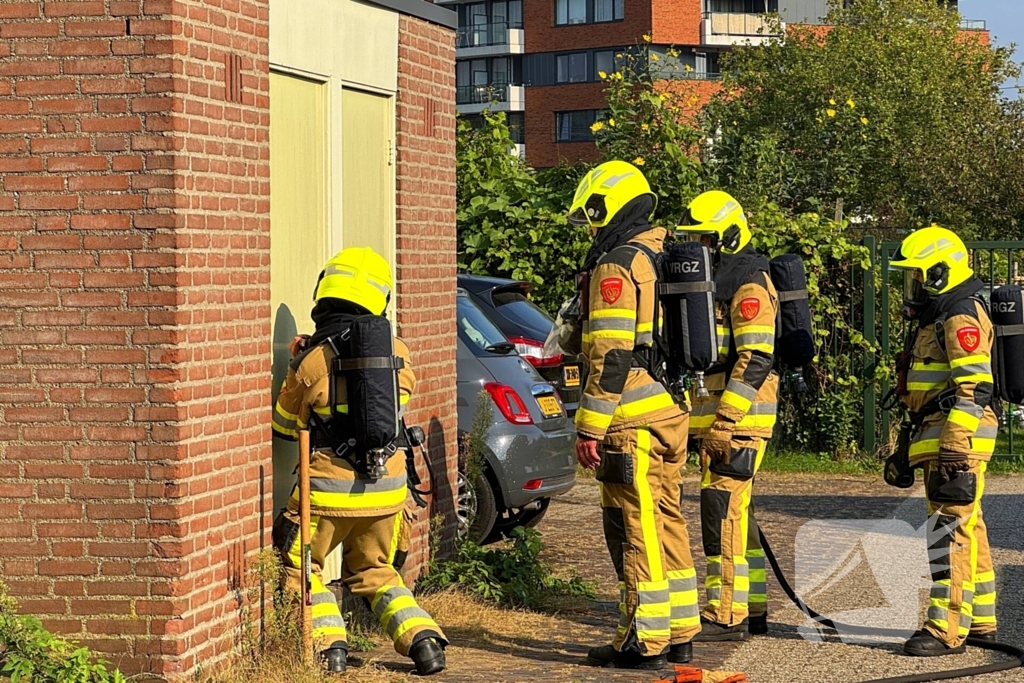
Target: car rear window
475 330
520 310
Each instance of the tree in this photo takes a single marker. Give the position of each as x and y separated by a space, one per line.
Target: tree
894 110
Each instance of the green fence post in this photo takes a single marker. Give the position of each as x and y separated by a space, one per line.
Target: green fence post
869 356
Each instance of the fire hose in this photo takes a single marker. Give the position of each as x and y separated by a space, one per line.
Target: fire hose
994 667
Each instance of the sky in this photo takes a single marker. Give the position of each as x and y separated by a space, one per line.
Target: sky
1005 19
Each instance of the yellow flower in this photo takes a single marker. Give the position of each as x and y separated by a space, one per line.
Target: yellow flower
639 161
830 112
664 96
602 75
597 125
832 102
672 52
850 104
644 127
864 120
617 75
687 67
654 57
647 37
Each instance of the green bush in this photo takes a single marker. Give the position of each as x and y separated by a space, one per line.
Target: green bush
31 654
509 575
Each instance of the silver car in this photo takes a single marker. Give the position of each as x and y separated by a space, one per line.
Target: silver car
528 453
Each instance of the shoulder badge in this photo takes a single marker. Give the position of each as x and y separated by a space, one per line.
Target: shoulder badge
611 289
750 307
969 337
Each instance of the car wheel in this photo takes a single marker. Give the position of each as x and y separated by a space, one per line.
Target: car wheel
477 508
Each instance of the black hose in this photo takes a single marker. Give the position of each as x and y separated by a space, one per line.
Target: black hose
1015 652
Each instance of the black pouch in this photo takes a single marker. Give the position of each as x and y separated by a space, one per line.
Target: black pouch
960 489
740 466
616 466
284 533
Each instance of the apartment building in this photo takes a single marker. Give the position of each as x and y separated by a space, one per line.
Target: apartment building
539 60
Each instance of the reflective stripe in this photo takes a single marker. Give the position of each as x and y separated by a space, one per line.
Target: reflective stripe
613 334
759 416
625 313
284 422
964 419
626 324
648 526
755 341
349 501
735 400
660 400
597 405
588 418
356 485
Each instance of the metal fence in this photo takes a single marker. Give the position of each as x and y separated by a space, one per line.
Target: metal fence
481 94
996 263
482 35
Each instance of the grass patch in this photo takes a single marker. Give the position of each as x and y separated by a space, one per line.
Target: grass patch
790 462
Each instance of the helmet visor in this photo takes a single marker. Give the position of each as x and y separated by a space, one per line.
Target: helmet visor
913 288
579 217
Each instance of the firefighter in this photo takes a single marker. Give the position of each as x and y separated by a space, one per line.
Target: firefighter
949 394
347 508
629 428
735 421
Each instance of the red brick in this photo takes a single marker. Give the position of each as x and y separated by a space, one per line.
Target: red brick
19 10
33 183
48 202
23 165
61 145
33 29
79 48
94 28
20 126
101 124
49 86
76 164
67 567
73 9
49 67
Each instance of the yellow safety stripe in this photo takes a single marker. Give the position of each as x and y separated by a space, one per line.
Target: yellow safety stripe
324 609
351 501
613 334
748 422
412 623
931 365
395 533
965 420
613 313
289 416
925 386
398 603
324 410
590 418
985 599
967 360
766 348
735 400
982 445
985 576
744 329
645 327
973 379
644 405
294 433
648 526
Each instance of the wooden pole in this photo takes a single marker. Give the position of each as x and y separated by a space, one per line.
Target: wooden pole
304 539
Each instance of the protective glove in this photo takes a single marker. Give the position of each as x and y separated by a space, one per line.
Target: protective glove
951 464
717 443
948 456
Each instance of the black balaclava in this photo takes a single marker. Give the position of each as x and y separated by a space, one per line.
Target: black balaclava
736 270
629 222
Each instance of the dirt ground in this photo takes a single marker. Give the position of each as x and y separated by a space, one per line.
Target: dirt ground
496 645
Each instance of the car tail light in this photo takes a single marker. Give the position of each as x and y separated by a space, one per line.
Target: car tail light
509 403
533 351
533 484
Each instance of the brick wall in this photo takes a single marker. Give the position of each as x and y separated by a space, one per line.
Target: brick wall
542 151
135 319
676 22
541 34
426 250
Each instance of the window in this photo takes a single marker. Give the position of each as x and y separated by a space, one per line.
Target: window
476 331
743 6
571 68
515 13
604 60
569 12
608 10
574 126
516 126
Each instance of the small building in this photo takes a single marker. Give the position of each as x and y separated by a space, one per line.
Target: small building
174 174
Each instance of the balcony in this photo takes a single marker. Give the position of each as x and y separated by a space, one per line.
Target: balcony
486 40
973 25
734 28
473 99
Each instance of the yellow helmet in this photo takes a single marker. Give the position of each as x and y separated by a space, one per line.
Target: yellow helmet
605 190
938 255
359 275
718 213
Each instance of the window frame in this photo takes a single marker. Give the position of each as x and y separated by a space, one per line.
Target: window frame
568 56
590 12
591 115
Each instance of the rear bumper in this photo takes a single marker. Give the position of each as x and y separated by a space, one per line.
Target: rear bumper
532 454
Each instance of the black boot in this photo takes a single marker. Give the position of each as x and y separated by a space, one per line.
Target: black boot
428 656
924 644
680 653
711 632
987 637
758 624
335 658
606 655
601 656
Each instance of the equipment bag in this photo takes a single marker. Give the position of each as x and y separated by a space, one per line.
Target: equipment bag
688 336
1008 319
794 335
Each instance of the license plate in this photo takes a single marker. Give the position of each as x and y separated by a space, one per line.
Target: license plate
549 406
571 375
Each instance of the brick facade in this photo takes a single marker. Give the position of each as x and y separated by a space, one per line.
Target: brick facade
542 35
426 251
134 310
542 149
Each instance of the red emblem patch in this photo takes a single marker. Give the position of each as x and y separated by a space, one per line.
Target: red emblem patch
611 289
749 308
970 337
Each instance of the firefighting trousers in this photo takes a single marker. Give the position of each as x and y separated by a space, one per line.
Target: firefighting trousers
735 580
369 546
640 478
963 593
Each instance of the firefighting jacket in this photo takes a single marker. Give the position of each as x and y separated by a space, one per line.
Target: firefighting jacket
743 388
952 359
619 393
336 489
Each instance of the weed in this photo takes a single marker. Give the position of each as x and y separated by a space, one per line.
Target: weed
510 574
31 654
